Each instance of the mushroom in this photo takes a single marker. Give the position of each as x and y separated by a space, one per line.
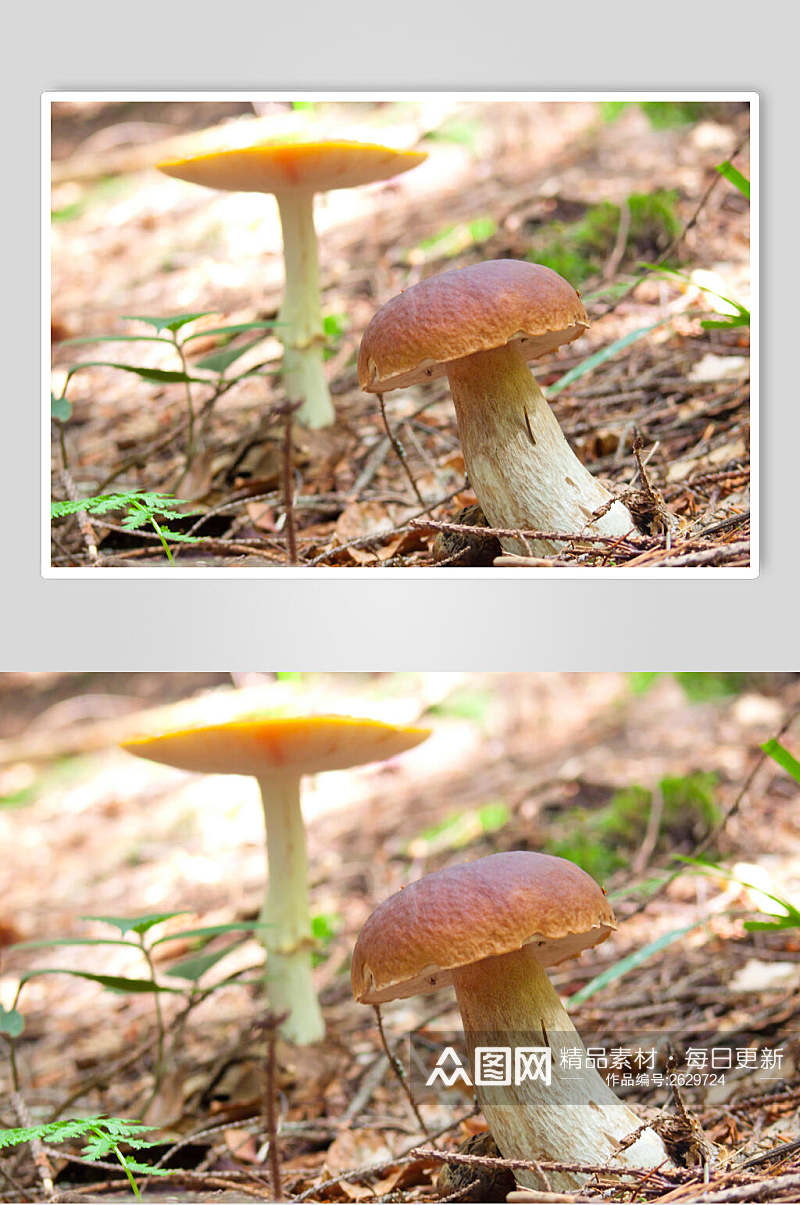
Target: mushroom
294 170
490 928
480 326
277 750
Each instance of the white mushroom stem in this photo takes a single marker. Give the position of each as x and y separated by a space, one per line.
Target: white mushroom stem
509 1000
300 315
286 917
523 471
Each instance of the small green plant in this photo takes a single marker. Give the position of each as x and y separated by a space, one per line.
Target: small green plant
697 687
453 240
464 703
733 312
134 933
708 687
333 327
583 847
105 1136
460 829
690 803
462 131
139 509
602 839
170 331
662 114
37 781
578 250
324 927
782 913
103 191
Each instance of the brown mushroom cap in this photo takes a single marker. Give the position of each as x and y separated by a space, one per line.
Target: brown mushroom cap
289 165
412 337
271 744
463 914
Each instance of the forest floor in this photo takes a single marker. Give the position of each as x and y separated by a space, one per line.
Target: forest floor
624 774
559 182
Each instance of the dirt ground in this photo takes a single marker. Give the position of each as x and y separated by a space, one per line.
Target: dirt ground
515 761
500 179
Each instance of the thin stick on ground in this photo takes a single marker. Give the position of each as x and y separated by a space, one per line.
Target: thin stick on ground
398 1070
270 1025
400 450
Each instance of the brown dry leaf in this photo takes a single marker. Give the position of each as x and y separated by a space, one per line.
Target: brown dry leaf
409 1174
242 1146
355 1148
406 541
261 515
360 519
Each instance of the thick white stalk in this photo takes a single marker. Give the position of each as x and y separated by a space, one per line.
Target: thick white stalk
509 1000
285 915
300 315
522 469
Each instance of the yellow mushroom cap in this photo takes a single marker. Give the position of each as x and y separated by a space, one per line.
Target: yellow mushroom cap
283 165
260 745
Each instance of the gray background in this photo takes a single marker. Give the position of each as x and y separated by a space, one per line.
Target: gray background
402 623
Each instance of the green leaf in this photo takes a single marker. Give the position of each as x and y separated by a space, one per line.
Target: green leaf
60 408
45 942
325 926
601 356
11 1022
197 964
334 325
178 537
785 922
711 324
141 503
629 962
114 983
102 1129
161 375
218 361
236 329
136 924
168 324
115 339
792 913
145 1168
740 318
735 177
211 931
783 757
